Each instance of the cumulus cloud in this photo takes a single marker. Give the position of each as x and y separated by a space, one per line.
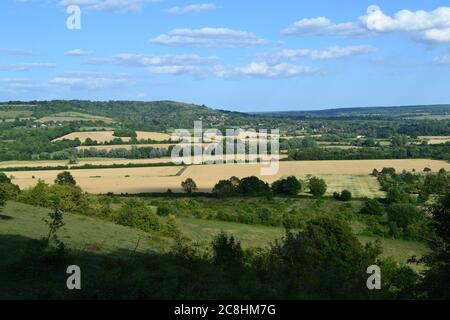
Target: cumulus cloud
26 66
78 53
430 26
193 8
264 70
162 64
208 37
108 5
89 80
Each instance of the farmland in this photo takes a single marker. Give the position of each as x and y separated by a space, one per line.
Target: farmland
73 116
107 136
352 175
118 212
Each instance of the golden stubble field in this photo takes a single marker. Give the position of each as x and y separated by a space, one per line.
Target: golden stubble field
106 136
352 175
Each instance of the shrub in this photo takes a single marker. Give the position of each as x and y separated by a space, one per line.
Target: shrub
345 196
136 214
227 251
403 214
372 207
317 186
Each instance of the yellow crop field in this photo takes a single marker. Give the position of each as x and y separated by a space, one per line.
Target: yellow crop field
106 136
435 139
125 146
353 175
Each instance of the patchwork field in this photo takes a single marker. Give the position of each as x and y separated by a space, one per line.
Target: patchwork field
106 136
351 175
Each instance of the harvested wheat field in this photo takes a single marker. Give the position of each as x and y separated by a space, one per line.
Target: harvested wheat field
125 146
435 139
351 175
102 180
107 136
81 162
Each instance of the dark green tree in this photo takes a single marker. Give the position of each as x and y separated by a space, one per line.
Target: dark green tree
189 186
65 178
317 186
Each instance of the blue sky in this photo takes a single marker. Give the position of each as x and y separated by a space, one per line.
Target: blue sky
242 55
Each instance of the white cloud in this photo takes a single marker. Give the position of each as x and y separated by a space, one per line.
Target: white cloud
26 66
20 83
432 26
78 53
162 64
429 26
264 70
193 8
332 52
208 37
322 26
174 69
108 5
90 80
142 60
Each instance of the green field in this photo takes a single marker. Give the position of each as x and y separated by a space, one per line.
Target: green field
74 116
88 234
13 114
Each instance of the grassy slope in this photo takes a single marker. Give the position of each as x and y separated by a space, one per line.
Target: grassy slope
90 234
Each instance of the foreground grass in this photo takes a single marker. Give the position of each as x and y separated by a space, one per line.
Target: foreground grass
79 233
101 237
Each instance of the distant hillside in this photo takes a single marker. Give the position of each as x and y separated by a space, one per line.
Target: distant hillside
158 115
420 112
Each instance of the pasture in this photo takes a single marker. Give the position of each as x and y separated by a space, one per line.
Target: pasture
73 116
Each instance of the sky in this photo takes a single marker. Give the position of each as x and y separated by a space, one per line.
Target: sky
240 55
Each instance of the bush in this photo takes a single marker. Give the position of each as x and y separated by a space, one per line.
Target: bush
344 196
136 214
372 207
317 186
227 251
404 214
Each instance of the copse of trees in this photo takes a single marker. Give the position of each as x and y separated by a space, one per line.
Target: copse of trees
288 186
125 132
